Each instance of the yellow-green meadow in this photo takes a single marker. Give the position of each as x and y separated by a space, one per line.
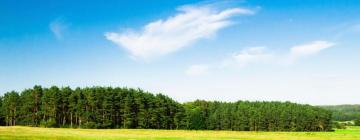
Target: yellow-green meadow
20 132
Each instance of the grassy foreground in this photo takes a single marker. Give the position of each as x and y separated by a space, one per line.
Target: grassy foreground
19 132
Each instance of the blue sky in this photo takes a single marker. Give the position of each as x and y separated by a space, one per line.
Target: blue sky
304 51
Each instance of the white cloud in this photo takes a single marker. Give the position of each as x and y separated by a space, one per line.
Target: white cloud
166 36
57 27
251 55
248 56
197 70
255 55
308 49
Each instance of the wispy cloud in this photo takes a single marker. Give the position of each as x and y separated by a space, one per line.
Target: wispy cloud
248 56
261 55
344 30
166 36
252 55
308 49
197 70
57 27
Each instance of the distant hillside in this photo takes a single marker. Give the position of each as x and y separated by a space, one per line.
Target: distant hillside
344 112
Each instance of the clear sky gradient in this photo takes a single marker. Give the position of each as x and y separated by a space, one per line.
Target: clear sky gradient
304 51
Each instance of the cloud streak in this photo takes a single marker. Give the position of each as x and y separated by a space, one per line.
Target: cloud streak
260 55
248 56
252 55
57 27
166 36
308 49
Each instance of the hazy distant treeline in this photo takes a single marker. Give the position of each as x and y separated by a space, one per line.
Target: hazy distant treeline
344 112
106 107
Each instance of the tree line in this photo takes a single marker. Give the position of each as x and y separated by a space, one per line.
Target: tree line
107 107
344 115
344 112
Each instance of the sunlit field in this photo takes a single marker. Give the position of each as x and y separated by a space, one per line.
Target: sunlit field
18 132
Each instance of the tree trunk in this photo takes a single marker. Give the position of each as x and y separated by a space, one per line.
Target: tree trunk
76 119
15 117
71 120
80 122
103 116
64 120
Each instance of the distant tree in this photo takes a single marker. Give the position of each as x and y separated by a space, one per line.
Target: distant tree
344 112
36 104
128 111
339 125
49 106
10 107
2 118
64 105
26 108
357 122
82 107
73 108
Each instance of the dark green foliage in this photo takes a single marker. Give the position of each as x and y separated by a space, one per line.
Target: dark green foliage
49 123
10 108
2 118
344 112
106 107
357 122
256 116
339 125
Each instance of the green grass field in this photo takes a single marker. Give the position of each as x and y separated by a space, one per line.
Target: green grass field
18 132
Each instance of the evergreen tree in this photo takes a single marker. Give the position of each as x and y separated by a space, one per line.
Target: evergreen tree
49 107
10 107
2 119
106 107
